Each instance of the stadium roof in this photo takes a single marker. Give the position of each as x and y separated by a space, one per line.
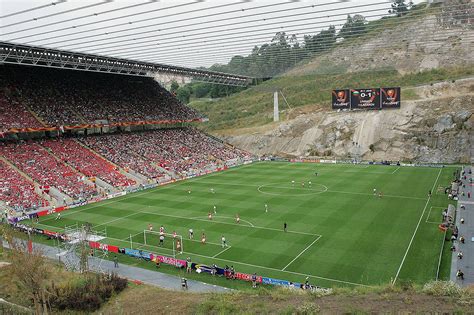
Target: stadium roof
39 56
187 33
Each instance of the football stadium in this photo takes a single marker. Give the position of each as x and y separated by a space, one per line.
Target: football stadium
227 157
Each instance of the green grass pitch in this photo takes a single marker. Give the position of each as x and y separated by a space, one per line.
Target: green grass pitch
339 233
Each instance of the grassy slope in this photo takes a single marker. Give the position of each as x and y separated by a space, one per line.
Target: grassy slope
378 300
363 238
144 299
254 107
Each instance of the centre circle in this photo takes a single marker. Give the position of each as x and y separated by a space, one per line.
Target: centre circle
279 189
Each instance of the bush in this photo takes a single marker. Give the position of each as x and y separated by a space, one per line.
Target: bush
86 295
443 288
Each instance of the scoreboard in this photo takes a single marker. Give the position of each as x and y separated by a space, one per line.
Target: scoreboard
365 98
370 98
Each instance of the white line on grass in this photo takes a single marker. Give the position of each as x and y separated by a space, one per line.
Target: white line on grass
218 216
222 251
184 239
148 191
416 229
301 253
285 271
316 192
118 219
429 213
220 222
255 266
396 170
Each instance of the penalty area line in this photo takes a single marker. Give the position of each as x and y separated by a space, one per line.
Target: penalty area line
414 232
284 268
222 251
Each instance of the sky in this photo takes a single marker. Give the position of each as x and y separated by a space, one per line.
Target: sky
188 33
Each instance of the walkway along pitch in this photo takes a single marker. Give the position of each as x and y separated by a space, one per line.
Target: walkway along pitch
466 264
150 277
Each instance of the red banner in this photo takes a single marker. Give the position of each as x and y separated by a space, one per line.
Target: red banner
106 247
247 277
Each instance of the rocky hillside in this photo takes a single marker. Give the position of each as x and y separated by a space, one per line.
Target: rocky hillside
408 45
437 127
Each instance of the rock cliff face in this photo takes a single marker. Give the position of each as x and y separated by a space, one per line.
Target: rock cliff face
439 127
421 44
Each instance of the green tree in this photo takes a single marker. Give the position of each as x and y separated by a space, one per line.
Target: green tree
201 89
320 42
174 87
354 27
400 7
183 94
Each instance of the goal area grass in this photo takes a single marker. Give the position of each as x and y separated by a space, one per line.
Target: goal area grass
339 232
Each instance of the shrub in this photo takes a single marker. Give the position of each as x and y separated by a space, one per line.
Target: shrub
87 295
443 288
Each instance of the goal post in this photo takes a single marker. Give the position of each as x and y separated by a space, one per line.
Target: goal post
171 242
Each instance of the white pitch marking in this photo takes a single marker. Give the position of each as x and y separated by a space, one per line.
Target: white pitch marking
396 170
416 229
219 216
429 213
301 253
263 267
222 251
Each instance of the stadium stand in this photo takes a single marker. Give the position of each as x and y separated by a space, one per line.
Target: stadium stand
92 165
16 191
65 98
44 169
14 114
179 150
89 164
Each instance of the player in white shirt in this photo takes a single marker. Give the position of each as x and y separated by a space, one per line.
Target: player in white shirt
293 183
237 218
191 234
266 208
224 243
215 208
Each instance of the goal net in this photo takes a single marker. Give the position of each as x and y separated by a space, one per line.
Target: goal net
174 243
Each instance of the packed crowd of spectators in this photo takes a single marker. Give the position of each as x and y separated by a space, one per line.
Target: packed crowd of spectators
86 162
16 191
43 168
178 150
14 114
66 97
67 163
